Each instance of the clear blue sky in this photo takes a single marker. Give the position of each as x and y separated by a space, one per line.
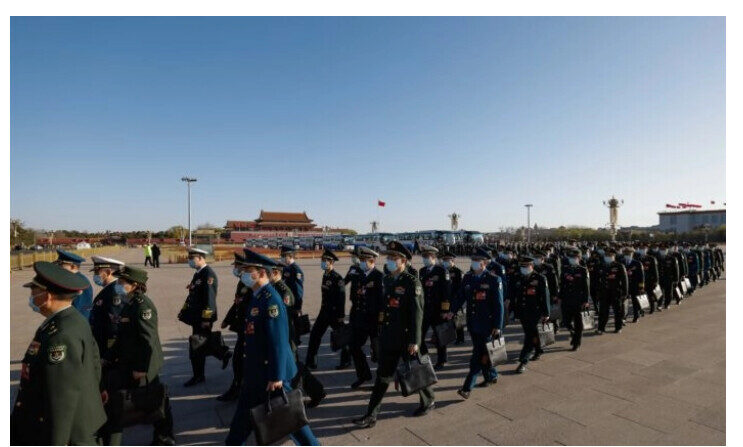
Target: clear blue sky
432 115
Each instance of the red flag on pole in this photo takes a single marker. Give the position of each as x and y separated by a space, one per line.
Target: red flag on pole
380 203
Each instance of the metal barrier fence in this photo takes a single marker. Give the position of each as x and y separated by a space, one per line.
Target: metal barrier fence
20 261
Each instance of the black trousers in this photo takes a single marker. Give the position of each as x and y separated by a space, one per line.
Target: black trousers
238 357
573 320
361 333
147 259
636 308
651 298
615 303
531 337
388 360
428 323
669 293
214 346
324 320
156 261
120 377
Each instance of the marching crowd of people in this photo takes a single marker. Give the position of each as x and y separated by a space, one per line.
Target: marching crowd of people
93 366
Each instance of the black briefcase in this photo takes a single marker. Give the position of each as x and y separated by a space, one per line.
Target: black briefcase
197 342
446 332
137 406
278 417
302 324
414 375
216 343
340 337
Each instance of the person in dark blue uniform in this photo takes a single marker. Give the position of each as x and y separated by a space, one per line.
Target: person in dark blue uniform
107 305
332 311
455 274
612 290
436 299
294 278
71 262
200 312
531 303
235 322
636 281
482 292
692 260
366 297
573 295
269 362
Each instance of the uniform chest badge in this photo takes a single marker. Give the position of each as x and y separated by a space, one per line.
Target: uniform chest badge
531 291
612 276
480 295
484 286
210 281
254 312
299 276
124 319
244 290
534 282
33 348
197 282
147 314
286 299
569 277
394 302
250 328
429 283
369 285
57 353
98 302
273 311
286 274
117 301
328 283
399 290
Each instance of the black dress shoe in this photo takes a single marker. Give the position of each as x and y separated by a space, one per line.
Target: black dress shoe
359 382
575 347
536 356
487 383
422 411
521 368
617 331
194 380
226 359
315 401
463 393
342 366
311 364
439 366
365 422
229 395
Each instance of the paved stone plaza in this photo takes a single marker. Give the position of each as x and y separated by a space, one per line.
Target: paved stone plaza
661 381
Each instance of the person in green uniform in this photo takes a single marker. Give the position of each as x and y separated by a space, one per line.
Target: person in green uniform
400 327
137 357
58 401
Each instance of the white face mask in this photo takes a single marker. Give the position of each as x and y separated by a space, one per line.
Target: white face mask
98 280
32 305
525 270
391 265
236 272
476 266
192 263
608 259
428 261
641 251
537 262
324 265
364 266
446 264
573 261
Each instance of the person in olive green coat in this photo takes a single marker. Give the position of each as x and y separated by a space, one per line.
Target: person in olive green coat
400 331
58 402
137 350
